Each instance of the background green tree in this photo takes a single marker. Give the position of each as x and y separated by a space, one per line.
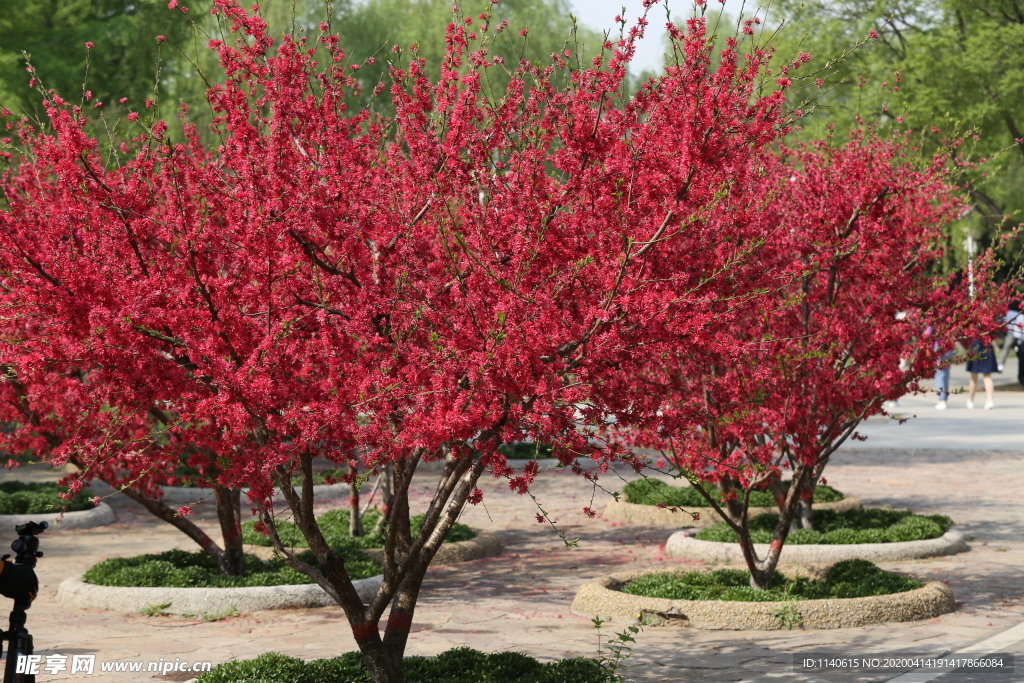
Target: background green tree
54 32
940 67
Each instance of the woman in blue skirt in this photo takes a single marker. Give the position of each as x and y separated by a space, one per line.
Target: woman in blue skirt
984 364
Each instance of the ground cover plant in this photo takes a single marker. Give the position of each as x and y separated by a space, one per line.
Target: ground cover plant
871 525
183 569
649 491
335 528
32 498
846 579
457 665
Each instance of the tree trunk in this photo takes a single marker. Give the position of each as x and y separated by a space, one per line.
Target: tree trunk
398 517
387 496
230 518
382 663
762 571
355 522
405 560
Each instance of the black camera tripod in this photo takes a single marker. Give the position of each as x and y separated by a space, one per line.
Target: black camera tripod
26 549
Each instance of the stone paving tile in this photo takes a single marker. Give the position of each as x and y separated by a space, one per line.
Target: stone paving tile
520 600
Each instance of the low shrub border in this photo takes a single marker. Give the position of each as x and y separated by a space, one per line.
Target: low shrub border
35 498
462 544
846 579
604 597
457 664
629 511
649 491
101 515
177 582
334 525
74 592
874 525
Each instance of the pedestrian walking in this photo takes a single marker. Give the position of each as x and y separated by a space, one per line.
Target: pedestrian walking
983 362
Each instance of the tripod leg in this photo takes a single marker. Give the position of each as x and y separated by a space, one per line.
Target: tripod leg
29 678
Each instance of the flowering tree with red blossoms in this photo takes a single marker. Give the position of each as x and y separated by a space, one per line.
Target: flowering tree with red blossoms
384 292
45 405
853 323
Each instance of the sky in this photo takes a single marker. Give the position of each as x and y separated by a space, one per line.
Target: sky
600 15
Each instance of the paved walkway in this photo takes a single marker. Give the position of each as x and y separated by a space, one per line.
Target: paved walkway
520 600
915 423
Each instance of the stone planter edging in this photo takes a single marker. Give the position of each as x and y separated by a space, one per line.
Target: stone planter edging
682 545
600 597
484 545
101 515
74 592
190 495
651 515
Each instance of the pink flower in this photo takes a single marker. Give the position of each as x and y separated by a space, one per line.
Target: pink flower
133 115
540 518
172 4
90 45
123 100
872 34
522 32
184 510
149 103
160 39
98 105
96 500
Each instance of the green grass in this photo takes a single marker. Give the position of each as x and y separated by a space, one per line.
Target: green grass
656 491
525 450
334 527
31 498
846 579
458 665
873 525
183 569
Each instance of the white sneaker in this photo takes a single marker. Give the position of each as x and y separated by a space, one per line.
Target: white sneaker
970 405
941 405
989 405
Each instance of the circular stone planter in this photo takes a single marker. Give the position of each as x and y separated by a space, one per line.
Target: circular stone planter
601 597
191 494
74 592
484 545
101 515
652 515
682 544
